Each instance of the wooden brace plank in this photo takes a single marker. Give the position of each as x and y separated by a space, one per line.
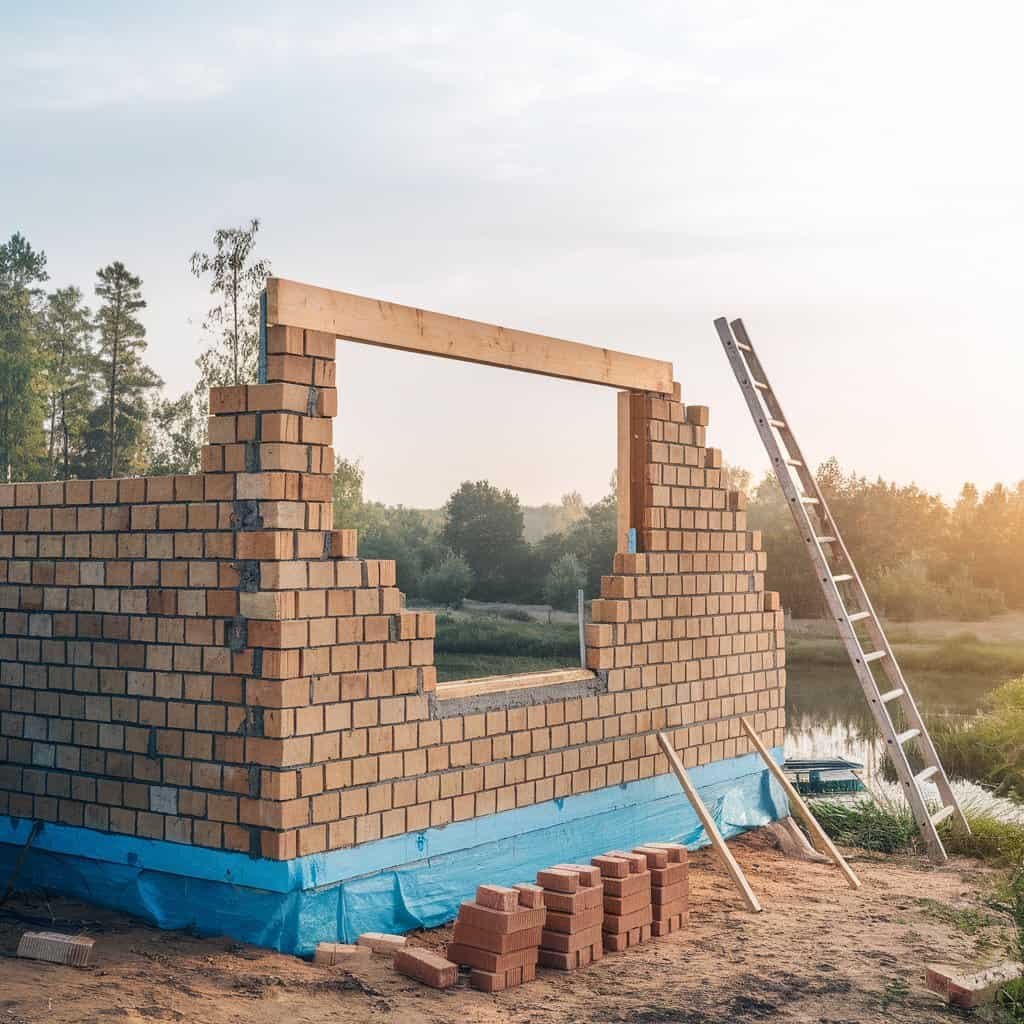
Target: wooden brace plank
821 840
723 851
386 324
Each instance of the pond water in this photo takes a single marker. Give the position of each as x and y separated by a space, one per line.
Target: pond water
827 714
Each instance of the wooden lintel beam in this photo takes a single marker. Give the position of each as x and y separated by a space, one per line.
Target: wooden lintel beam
374 322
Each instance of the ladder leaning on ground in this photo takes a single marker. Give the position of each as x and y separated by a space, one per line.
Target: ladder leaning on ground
859 627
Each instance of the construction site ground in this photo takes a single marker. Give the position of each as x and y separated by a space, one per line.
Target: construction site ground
819 952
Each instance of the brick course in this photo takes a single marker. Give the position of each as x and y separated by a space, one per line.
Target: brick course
205 659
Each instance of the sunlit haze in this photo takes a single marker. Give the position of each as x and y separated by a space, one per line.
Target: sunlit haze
847 178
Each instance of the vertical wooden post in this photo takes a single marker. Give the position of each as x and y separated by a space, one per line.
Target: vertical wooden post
624 475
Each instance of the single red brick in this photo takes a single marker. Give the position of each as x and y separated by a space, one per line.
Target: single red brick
530 895
423 965
499 922
624 905
655 858
637 861
558 880
611 867
497 897
484 960
496 942
589 874
571 923
569 942
672 875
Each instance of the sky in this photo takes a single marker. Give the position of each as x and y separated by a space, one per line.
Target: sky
847 178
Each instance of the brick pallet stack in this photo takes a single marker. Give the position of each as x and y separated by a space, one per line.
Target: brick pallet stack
571 938
670 892
627 899
498 936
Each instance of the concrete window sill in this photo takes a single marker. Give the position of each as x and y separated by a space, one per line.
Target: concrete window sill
457 689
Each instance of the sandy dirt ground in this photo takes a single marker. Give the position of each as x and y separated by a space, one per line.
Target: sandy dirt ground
819 953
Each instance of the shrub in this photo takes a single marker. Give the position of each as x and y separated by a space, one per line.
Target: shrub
567 576
906 592
989 748
516 615
495 636
448 582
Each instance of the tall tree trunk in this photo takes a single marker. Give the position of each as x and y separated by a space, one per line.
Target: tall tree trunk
64 429
115 341
234 311
54 396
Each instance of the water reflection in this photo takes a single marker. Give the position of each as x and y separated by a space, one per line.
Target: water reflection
827 714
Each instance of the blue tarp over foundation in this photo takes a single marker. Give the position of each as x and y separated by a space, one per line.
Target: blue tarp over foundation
392 885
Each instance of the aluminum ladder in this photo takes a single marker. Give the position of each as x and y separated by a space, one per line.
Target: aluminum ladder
845 595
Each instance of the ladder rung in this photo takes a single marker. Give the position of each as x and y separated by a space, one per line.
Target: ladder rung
875 656
941 815
905 737
843 577
925 774
891 695
743 348
794 462
809 501
760 385
778 424
857 616
825 540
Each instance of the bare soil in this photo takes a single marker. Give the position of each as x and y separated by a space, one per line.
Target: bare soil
819 953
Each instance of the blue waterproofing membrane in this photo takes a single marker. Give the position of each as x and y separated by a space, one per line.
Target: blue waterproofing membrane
393 885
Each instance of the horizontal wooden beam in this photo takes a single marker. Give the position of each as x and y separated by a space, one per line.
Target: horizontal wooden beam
415 330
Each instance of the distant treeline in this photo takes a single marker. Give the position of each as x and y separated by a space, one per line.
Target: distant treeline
920 557
77 399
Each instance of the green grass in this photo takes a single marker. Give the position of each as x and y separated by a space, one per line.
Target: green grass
886 829
499 636
477 666
961 654
964 919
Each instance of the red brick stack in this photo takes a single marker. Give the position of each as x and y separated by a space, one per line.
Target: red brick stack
670 890
627 899
497 936
572 931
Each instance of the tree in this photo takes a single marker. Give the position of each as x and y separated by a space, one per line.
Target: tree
567 576
65 336
449 582
173 437
127 380
571 509
409 536
21 409
236 280
347 490
485 526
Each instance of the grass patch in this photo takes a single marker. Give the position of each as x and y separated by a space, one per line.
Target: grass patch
477 666
963 919
501 636
989 748
865 824
961 654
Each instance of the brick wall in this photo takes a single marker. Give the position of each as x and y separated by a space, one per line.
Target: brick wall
203 659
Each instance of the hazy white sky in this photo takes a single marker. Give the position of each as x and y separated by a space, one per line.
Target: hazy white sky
846 177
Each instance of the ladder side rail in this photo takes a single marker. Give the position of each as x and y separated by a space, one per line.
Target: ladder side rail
830 589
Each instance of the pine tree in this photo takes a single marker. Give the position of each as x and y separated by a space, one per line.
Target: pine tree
117 427
236 280
66 334
21 413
